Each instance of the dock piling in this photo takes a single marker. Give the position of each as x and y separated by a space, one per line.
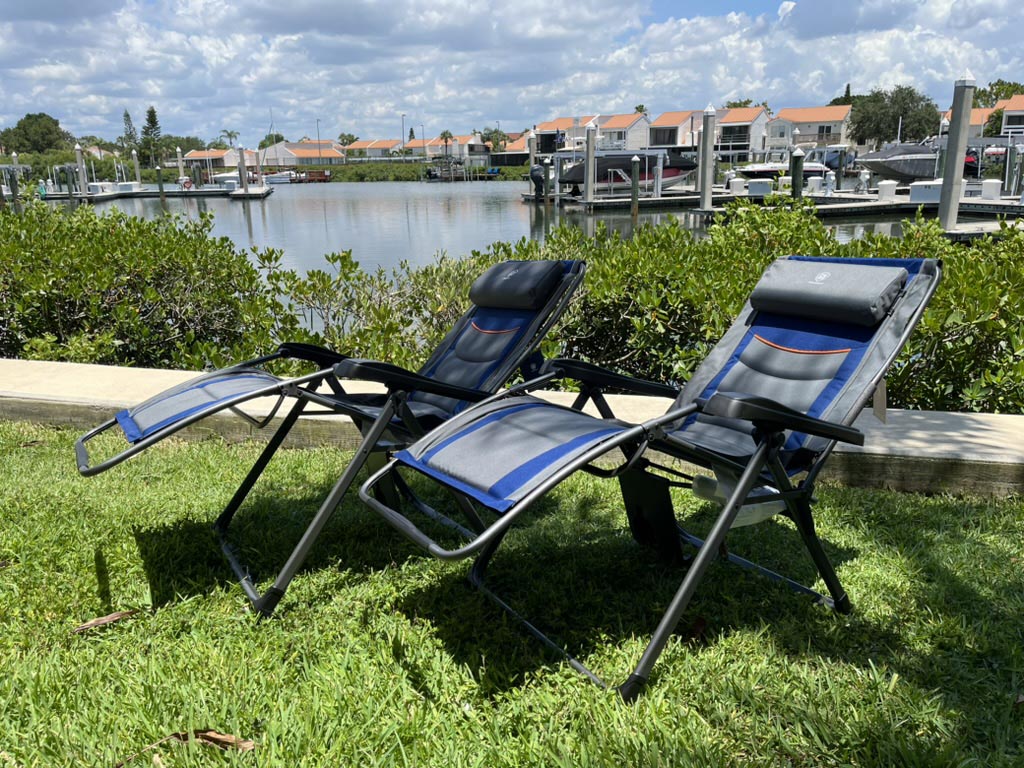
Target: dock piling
707 157
953 173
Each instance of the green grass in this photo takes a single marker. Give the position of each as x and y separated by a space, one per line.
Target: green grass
381 656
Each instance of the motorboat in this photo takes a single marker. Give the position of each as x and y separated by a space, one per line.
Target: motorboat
774 170
614 172
911 162
279 177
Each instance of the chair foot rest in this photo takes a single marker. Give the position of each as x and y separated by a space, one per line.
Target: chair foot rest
632 688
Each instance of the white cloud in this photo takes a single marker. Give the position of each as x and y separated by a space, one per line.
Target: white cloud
459 64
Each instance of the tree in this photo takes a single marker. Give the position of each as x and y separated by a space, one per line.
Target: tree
496 137
150 143
884 115
217 143
844 100
229 136
446 136
272 138
129 139
345 139
994 124
412 134
743 103
640 109
996 91
36 132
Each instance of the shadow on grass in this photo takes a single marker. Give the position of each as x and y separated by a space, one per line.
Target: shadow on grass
184 558
592 586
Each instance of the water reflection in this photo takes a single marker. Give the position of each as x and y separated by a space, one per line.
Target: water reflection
385 223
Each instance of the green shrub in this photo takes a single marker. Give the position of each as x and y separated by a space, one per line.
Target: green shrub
111 288
166 293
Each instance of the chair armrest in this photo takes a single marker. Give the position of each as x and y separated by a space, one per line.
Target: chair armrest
322 356
394 377
770 416
594 375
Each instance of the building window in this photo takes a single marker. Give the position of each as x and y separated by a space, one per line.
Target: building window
661 137
1014 120
780 132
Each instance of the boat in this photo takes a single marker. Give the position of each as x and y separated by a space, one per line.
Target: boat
613 172
774 170
279 177
911 162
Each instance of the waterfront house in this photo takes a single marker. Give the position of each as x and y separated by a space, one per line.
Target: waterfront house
623 131
291 154
739 132
218 158
1013 116
377 148
675 129
562 132
976 128
424 147
811 127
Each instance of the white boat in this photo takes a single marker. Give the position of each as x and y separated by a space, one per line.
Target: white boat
774 170
279 177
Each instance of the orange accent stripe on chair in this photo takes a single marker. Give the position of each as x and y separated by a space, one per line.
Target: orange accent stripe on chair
507 330
802 351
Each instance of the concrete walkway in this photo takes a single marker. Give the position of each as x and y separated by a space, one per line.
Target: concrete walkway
914 450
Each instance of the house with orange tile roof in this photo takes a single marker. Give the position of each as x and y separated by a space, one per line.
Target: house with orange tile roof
372 148
740 131
467 147
291 154
1013 115
218 158
623 131
561 132
675 129
814 126
976 127
424 147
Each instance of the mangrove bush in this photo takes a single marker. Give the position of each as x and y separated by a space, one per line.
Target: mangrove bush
114 289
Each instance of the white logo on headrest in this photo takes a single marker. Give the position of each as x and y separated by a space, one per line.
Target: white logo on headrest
820 278
509 274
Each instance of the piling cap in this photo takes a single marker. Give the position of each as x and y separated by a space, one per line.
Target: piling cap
798 152
635 158
966 79
709 109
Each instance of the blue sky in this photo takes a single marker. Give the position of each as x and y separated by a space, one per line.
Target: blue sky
359 65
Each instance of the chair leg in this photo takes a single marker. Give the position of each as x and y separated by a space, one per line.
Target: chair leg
803 518
224 520
632 687
268 602
477 577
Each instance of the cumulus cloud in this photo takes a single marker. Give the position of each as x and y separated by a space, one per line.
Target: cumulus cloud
357 66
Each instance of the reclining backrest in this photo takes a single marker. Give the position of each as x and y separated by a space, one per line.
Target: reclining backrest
514 304
816 335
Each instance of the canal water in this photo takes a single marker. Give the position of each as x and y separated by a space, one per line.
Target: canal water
387 222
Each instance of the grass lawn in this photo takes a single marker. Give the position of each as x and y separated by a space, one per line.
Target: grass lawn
381 656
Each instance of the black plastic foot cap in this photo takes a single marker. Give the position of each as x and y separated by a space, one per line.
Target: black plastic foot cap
631 689
265 605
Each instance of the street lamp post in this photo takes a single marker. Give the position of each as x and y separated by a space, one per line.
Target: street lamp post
319 153
401 136
423 138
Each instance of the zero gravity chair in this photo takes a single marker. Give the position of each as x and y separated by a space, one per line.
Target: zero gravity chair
514 305
762 413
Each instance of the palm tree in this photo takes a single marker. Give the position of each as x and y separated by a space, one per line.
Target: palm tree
229 136
446 136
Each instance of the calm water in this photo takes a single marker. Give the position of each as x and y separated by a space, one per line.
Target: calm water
384 223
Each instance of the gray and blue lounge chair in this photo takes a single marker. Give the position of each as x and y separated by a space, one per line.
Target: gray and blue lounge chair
514 305
762 413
